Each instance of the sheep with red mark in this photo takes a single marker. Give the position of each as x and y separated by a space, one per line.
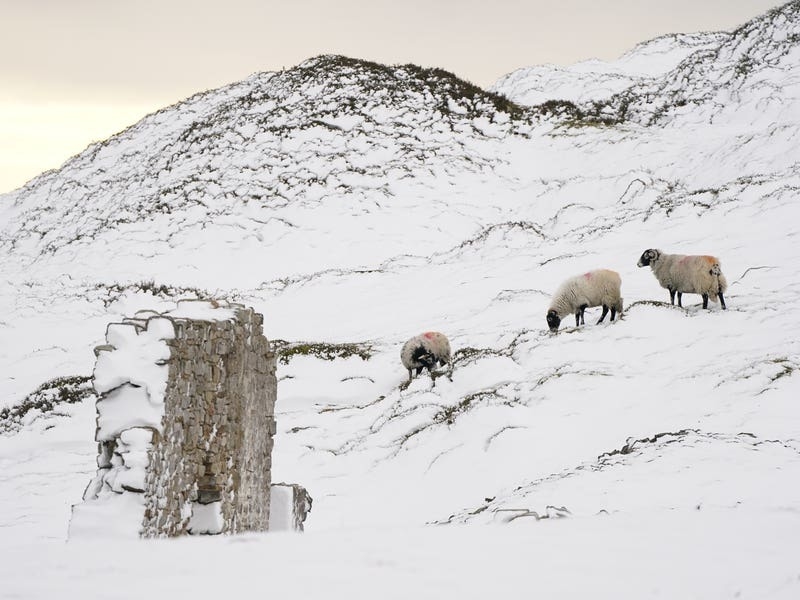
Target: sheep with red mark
687 274
425 351
601 287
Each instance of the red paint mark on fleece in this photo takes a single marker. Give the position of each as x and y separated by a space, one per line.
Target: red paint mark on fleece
428 334
708 259
587 275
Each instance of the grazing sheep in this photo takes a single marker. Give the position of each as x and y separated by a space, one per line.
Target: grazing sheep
576 294
684 274
425 351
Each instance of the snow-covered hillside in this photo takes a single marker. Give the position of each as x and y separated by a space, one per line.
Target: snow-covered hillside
356 205
595 80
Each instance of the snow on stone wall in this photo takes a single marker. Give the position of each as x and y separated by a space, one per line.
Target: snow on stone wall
289 507
185 425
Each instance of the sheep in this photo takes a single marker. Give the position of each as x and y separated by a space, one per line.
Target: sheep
425 351
576 294
687 274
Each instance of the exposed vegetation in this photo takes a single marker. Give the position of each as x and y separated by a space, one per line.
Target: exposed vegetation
409 77
114 291
45 399
447 415
286 351
573 116
672 437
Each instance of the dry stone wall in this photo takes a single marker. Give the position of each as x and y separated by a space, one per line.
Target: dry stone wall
218 428
185 423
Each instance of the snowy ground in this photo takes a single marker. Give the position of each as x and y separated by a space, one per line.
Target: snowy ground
654 457
687 555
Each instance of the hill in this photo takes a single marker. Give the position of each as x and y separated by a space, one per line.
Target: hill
357 204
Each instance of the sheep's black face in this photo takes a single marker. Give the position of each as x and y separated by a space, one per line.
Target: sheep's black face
423 357
648 256
552 320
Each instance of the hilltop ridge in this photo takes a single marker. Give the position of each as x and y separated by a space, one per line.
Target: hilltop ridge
699 77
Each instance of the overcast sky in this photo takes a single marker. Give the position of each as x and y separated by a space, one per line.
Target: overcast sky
77 71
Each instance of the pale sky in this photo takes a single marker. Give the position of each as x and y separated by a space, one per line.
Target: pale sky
77 71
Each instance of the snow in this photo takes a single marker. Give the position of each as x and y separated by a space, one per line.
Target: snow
135 357
199 310
694 555
206 518
595 79
281 501
111 517
656 456
126 407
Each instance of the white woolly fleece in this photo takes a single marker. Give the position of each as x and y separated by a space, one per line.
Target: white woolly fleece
595 288
690 274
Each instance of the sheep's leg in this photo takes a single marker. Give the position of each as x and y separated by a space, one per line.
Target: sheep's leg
433 377
680 295
577 317
705 300
449 370
672 296
410 375
721 300
583 310
605 312
419 370
613 313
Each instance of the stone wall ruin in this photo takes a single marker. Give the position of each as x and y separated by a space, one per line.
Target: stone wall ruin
185 425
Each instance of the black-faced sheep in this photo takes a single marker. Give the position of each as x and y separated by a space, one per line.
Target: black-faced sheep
575 295
425 351
687 274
